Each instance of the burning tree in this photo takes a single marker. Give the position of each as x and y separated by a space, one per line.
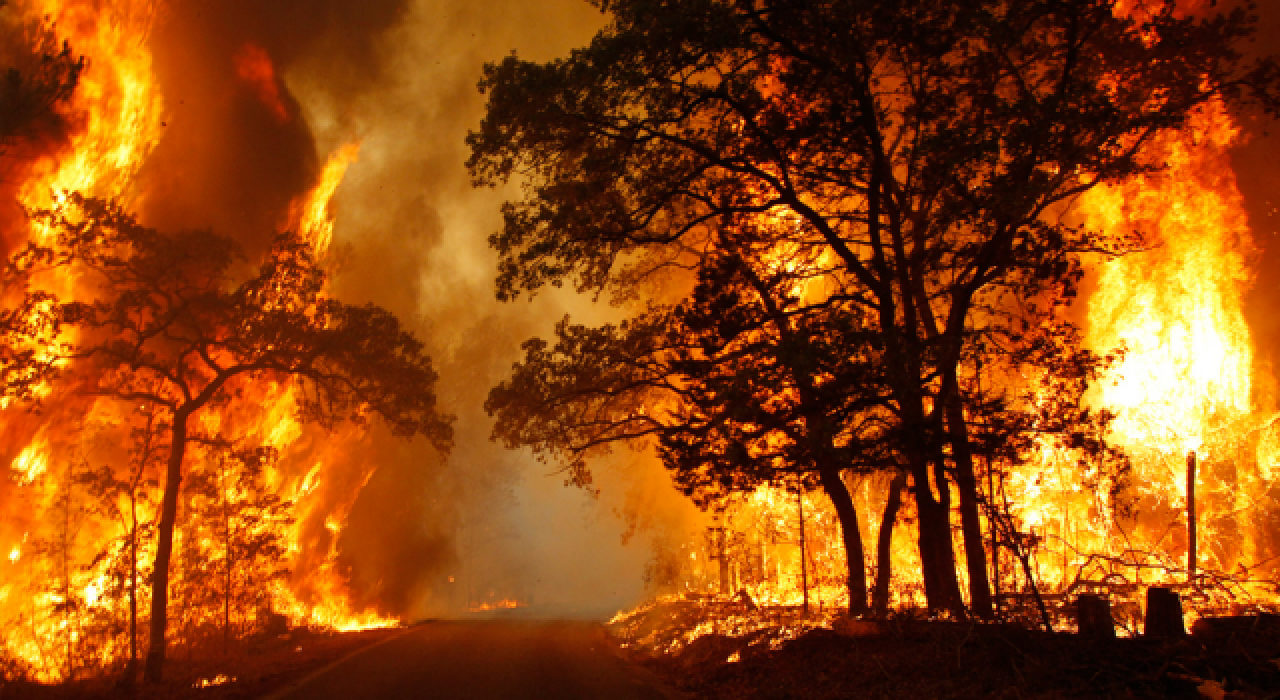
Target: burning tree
231 505
39 80
175 322
146 453
743 385
920 158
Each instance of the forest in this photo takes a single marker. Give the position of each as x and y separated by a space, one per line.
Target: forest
873 348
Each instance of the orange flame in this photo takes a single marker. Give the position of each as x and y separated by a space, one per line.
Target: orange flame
254 67
120 110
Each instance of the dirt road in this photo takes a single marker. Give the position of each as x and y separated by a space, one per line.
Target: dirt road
483 659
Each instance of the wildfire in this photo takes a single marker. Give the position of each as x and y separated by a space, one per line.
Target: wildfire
66 581
310 216
1185 385
1185 390
1177 307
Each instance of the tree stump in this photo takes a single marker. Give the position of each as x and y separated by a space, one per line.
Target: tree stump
1093 617
1164 613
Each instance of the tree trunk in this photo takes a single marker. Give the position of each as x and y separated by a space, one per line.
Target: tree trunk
722 553
970 522
164 549
855 559
1191 516
804 553
884 544
226 596
937 559
132 669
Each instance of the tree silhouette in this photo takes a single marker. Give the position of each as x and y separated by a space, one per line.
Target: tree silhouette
169 323
925 153
146 454
37 82
743 384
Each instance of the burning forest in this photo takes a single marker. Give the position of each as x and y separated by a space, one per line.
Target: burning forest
913 318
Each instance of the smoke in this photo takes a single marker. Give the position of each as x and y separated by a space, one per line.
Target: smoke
1254 160
256 96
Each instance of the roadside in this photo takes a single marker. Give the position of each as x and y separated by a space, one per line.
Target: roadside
254 670
959 660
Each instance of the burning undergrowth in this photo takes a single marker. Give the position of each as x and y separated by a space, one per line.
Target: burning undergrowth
699 626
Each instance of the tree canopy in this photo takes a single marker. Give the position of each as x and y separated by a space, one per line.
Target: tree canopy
180 322
915 161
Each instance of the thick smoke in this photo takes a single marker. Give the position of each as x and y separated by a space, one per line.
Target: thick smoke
244 138
1254 160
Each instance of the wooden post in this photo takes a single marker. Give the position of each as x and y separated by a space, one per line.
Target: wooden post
804 558
1093 617
1164 613
1191 516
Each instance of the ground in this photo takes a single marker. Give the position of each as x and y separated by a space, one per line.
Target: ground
259 668
913 659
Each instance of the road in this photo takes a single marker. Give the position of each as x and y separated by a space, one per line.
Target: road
484 659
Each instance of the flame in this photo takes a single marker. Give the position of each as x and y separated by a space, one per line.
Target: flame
220 679
310 216
117 113
254 67
1186 384
117 99
1177 307
32 462
504 604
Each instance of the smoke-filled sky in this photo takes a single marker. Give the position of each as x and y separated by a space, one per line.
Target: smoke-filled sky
399 77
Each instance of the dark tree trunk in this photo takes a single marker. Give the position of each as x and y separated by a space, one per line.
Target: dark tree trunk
164 549
226 597
937 559
131 671
970 522
838 492
884 543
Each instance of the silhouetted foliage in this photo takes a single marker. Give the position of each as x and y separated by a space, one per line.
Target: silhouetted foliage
37 81
176 321
918 158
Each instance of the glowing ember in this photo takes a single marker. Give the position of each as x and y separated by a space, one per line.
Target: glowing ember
504 604
220 679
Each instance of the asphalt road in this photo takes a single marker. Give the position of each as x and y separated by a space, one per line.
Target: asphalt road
484 659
